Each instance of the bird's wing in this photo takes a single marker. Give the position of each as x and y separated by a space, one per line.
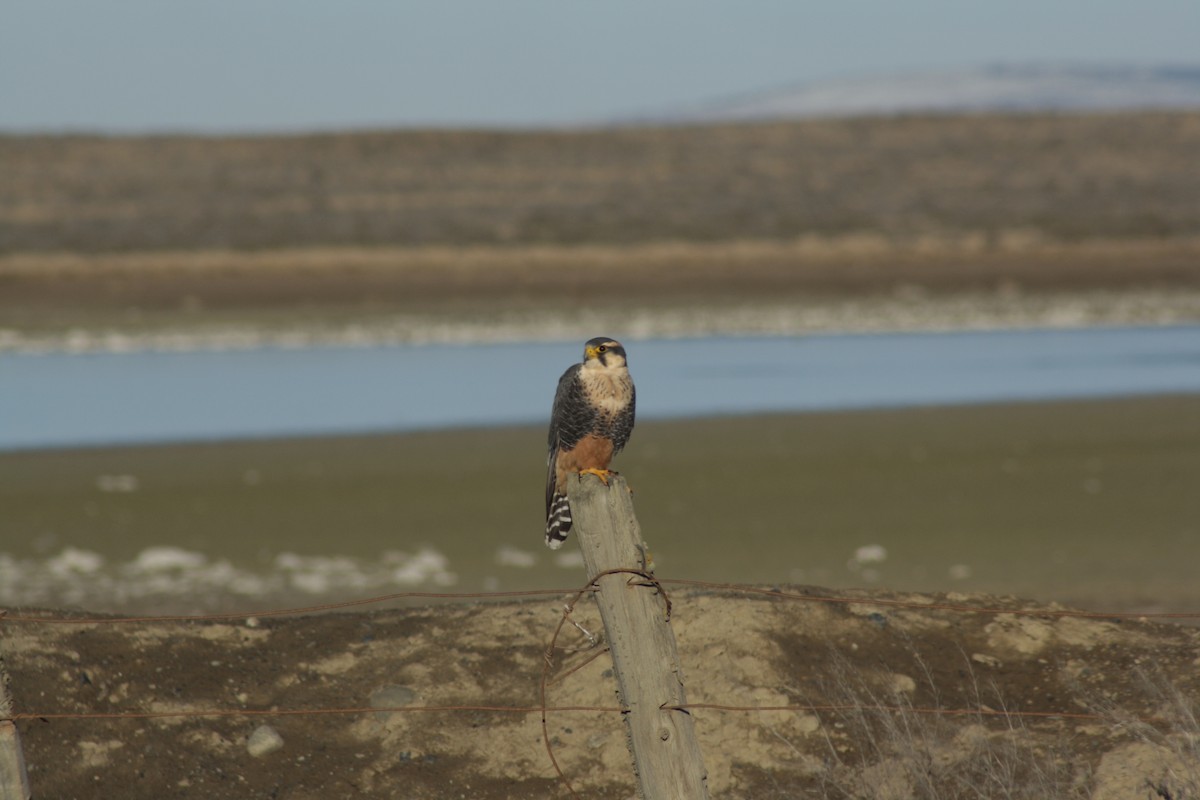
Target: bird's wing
572 417
623 425
570 420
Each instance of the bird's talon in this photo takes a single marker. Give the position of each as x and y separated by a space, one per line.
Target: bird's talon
602 474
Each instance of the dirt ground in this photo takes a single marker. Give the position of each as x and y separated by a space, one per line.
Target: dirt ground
1042 704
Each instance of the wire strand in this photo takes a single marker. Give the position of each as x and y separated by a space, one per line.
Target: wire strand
6 615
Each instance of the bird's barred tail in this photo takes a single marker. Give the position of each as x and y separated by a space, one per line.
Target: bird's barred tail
558 521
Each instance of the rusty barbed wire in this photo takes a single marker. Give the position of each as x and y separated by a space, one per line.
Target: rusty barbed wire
813 708
980 711
8 616
913 604
296 712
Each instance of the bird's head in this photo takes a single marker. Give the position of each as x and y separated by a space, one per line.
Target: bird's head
603 352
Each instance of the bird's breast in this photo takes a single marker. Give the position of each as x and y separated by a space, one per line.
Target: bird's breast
608 391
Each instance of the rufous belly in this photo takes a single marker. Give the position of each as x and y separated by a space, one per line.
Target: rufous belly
592 452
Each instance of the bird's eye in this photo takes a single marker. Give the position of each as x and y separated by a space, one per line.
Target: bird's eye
602 348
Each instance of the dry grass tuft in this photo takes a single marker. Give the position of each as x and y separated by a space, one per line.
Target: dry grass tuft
888 749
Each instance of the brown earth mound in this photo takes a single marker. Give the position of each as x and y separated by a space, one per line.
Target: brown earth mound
890 696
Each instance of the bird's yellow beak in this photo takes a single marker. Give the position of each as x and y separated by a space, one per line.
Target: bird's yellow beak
591 352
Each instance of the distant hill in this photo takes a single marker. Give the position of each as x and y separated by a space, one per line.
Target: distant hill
978 89
1065 176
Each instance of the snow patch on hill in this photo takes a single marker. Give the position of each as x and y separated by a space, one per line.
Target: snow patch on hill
978 89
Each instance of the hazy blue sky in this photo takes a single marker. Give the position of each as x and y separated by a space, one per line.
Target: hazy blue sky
219 65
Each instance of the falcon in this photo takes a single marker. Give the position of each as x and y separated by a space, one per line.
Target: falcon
590 423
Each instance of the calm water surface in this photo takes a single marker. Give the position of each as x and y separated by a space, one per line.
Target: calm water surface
63 400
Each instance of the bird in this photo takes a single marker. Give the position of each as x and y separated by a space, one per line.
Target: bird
591 422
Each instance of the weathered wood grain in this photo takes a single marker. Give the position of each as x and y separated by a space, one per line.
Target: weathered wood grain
666 753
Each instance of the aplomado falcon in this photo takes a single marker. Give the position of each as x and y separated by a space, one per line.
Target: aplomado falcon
590 423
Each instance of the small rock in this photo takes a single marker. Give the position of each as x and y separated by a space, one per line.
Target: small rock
807 723
264 741
985 659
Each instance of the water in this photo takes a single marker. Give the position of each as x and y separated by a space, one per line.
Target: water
1079 504
60 400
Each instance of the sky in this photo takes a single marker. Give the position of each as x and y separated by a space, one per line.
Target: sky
289 65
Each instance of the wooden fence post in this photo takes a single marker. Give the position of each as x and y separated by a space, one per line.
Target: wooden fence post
666 753
14 780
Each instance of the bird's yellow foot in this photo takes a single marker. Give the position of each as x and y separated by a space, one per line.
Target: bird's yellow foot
602 474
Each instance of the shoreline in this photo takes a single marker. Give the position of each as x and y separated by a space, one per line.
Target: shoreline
906 310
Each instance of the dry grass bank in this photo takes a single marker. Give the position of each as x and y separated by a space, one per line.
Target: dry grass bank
1066 177
152 231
